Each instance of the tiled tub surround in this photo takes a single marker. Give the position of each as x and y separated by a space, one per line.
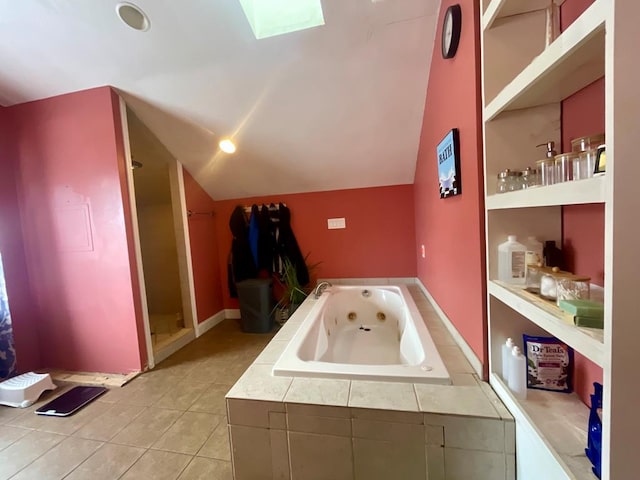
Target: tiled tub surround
314 428
363 332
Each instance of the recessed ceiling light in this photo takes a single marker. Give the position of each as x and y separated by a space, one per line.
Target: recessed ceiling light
133 16
227 146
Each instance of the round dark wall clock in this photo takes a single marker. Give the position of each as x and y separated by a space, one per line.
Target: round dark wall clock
451 27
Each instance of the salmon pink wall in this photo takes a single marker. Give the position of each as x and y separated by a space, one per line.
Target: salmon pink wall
583 225
379 240
452 229
72 195
203 240
24 316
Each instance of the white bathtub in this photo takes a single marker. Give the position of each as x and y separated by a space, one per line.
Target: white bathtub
363 333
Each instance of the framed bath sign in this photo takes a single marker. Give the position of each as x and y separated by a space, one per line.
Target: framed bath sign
449 165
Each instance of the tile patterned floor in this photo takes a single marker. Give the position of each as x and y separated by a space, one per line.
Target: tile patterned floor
169 423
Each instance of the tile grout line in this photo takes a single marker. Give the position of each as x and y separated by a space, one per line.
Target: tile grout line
86 459
43 453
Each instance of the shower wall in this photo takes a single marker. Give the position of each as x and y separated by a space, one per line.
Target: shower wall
157 227
159 258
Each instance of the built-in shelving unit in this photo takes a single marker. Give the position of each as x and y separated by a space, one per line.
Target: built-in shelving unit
590 190
571 62
505 8
524 81
559 420
588 341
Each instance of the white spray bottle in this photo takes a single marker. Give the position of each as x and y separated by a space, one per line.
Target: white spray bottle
518 374
506 358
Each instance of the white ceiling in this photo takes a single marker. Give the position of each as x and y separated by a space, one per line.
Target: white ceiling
333 107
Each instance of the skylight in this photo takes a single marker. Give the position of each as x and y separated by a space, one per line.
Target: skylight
276 17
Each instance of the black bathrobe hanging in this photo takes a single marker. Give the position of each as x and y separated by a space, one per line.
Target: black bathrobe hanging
241 265
288 246
266 241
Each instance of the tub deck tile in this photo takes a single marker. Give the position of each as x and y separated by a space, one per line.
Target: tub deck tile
383 395
495 401
319 391
257 383
317 410
271 352
393 416
252 413
446 399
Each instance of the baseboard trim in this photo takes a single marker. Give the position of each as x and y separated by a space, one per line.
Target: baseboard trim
232 313
209 323
462 343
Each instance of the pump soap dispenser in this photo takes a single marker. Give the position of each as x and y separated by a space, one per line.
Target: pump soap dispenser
547 166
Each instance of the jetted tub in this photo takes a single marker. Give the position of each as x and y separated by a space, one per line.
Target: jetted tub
364 333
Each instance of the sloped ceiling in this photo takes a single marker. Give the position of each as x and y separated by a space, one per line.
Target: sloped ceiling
332 107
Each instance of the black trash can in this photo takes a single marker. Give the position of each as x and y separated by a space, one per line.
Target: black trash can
256 304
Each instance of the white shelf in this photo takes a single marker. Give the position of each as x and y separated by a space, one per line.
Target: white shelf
505 8
588 341
560 420
573 61
591 190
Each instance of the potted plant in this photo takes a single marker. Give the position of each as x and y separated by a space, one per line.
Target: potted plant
293 293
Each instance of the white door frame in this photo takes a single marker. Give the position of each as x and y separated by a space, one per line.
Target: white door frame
181 228
136 232
183 243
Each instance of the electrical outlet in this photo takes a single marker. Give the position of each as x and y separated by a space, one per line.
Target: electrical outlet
335 223
422 251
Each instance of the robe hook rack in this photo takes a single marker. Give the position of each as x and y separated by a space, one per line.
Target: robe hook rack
191 213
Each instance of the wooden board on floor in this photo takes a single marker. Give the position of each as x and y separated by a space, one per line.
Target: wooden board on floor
93 378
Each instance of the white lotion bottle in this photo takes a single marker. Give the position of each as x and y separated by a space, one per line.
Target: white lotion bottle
507 347
518 374
511 261
534 251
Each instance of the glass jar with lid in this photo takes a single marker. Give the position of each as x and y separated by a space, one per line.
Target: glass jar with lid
546 171
582 144
503 181
533 275
584 164
509 181
549 283
529 177
515 181
572 287
564 166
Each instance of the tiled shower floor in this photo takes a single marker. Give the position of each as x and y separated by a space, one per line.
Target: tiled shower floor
169 423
